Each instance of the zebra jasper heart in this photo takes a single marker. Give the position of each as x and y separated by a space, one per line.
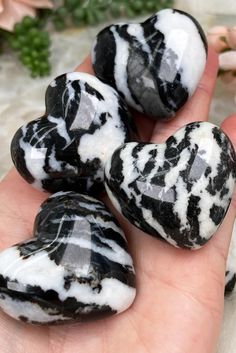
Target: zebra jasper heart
76 268
180 190
66 149
155 65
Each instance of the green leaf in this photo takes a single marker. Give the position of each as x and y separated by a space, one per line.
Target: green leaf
27 22
137 6
18 29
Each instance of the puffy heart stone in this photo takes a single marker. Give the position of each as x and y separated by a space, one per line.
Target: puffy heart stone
179 190
76 268
85 121
156 65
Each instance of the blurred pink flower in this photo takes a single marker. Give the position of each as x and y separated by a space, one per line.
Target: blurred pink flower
218 38
12 11
228 77
232 37
227 60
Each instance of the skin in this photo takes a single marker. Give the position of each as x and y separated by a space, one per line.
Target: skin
180 293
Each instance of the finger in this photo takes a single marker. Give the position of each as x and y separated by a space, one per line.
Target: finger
229 127
197 108
223 236
144 125
85 66
19 203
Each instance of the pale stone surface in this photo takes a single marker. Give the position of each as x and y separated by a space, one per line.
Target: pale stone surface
213 6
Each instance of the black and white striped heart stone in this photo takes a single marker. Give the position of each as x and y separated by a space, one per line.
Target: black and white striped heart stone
156 65
180 190
85 121
76 268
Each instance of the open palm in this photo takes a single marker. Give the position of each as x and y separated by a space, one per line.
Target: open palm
179 300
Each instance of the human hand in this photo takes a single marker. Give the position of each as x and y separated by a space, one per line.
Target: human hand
180 293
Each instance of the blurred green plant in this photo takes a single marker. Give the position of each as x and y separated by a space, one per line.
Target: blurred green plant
2 39
91 12
31 40
32 45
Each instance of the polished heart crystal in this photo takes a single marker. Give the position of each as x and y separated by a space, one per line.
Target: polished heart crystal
156 65
76 268
66 149
179 190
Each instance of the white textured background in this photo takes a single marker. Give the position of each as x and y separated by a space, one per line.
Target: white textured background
22 100
208 6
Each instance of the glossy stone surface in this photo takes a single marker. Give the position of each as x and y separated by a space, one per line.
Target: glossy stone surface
180 190
76 268
230 281
156 65
66 149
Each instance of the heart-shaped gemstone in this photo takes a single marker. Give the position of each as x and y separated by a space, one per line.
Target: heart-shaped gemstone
76 268
156 65
85 121
179 190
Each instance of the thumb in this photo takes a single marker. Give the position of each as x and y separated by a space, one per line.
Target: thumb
229 127
223 236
